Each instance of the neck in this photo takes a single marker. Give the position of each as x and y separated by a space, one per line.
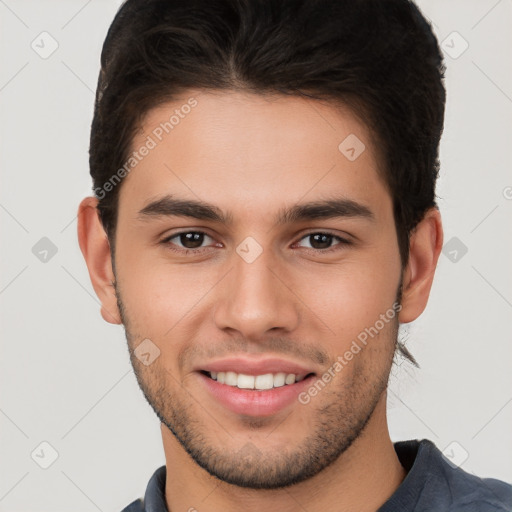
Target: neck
362 478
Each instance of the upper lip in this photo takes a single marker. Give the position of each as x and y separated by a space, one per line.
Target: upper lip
254 366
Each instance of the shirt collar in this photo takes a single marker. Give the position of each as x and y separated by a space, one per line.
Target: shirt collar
154 499
410 454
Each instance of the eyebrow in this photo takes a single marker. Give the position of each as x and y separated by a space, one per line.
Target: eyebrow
169 206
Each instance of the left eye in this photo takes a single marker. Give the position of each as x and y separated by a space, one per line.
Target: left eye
321 241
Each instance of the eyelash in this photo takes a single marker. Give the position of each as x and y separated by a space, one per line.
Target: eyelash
342 242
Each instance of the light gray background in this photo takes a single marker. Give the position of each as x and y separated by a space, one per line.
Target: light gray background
65 376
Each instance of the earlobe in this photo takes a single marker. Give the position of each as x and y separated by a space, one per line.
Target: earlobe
95 248
425 246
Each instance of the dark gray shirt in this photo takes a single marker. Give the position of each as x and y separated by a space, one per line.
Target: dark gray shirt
432 484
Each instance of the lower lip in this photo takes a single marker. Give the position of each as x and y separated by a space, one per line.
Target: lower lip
253 402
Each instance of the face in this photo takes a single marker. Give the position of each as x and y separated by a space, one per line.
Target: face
289 258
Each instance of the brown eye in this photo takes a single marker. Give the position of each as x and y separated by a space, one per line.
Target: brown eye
191 240
320 241
188 240
323 241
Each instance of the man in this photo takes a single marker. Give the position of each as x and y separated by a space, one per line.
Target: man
264 218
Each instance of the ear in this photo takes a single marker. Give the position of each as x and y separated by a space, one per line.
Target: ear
95 248
425 246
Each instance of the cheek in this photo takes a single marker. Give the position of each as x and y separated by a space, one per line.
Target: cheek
158 295
350 301
352 296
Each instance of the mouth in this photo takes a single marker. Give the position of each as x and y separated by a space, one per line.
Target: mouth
260 382
261 395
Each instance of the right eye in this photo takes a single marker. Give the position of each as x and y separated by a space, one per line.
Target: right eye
187 241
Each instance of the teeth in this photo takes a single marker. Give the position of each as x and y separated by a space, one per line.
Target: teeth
231 379
290 379
279 379
245 381
261 382
264 381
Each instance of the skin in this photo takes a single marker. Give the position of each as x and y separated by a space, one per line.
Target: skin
252 156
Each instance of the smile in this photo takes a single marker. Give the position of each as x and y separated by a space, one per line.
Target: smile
258 382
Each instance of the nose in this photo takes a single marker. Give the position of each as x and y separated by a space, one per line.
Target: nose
255 298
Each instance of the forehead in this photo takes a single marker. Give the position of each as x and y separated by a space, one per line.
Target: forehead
252 152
